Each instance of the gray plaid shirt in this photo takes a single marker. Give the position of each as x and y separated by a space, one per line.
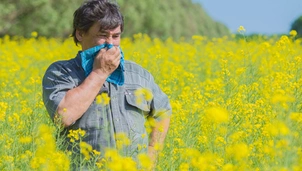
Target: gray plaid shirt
122 115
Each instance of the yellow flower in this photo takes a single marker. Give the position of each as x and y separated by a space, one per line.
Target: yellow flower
128 164
8 158
202 139
158 146
144 161
217 115
115 162
111 154
102 99
282 144
277 128
143 94
34 163
184 167
198 37
241 29
296 117
75 135
95 152
219 141
85 149
81 132
238 151
25 140
137 36
100 163
228 167
151 121
122 140
191 152
34 34
280 98
46 156
3 108
293 33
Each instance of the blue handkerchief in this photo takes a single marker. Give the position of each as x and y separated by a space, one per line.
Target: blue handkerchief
87 57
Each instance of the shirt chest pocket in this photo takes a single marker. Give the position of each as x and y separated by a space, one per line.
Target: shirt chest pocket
137 108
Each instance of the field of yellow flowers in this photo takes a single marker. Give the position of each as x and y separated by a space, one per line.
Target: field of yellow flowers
237 104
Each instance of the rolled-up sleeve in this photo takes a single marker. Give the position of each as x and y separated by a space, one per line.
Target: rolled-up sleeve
56 82
160 105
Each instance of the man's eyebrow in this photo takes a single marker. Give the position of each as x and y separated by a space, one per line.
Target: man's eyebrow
103 32
106 32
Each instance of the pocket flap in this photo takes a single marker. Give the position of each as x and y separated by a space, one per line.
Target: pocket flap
139 103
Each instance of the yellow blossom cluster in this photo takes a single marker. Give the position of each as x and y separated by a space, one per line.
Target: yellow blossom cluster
75 135
47 157
102 99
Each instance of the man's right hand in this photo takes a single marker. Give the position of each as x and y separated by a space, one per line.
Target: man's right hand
107 61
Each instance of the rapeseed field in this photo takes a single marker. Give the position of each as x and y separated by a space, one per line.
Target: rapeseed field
237 104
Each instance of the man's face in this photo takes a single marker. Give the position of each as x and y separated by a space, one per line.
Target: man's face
96 36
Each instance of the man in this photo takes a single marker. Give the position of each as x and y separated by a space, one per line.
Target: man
70 87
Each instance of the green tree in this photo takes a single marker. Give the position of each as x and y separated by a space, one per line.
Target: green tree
297 25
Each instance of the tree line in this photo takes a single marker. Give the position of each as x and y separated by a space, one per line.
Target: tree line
157 18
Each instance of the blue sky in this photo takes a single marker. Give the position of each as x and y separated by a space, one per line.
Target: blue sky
257 16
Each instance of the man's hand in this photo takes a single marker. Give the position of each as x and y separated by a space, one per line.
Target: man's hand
107 61
152 153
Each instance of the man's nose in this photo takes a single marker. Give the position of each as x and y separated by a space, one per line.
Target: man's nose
109 40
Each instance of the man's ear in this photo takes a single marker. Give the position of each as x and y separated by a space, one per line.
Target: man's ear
79 35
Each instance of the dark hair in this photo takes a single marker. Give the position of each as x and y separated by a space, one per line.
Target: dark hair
102 11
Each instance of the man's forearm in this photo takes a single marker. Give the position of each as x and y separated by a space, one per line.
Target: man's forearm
159 132
157 137
76 101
